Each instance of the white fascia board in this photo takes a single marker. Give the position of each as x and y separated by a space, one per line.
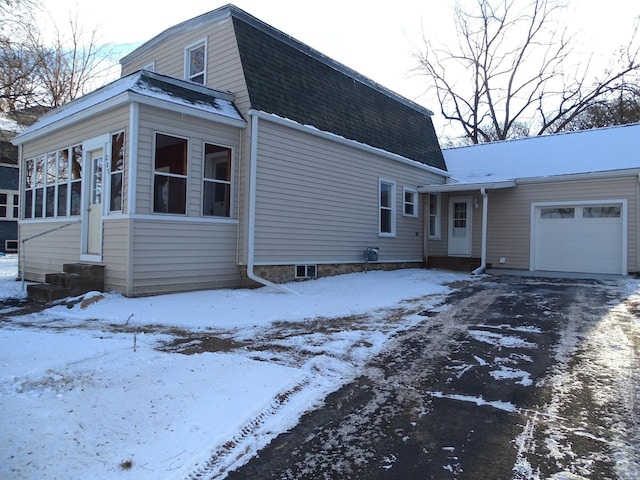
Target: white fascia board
123 99
89 112
311 130
463 187
573 177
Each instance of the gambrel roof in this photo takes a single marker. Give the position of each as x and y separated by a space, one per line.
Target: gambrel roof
289 79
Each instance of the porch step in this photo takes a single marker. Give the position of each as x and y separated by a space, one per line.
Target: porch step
76 279
460 264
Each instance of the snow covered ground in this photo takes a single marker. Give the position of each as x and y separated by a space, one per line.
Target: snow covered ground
86 391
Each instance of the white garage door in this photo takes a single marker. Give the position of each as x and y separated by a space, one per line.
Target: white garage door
579 238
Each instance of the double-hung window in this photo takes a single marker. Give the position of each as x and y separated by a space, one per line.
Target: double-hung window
434 215
410 199
216 200
170 175
195 62
8 205
387 208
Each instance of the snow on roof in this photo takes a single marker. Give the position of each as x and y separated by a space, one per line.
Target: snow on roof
150 85
586 151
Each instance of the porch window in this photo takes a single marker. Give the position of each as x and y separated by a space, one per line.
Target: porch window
116 170
217 181
76 179
410 197
29 188
195 62
48 183
51 182
387 203
63 181
39 184
170 175
434 215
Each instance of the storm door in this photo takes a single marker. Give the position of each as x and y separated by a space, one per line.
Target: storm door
460 227
93 195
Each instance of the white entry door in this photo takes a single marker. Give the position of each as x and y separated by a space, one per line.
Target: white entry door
94 207
460 227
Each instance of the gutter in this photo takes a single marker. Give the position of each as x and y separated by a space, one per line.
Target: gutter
251 241
485 216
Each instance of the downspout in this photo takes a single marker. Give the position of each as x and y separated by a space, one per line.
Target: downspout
485 215
132 192
253 156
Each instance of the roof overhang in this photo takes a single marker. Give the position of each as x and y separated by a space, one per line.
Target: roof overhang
65 117
465 187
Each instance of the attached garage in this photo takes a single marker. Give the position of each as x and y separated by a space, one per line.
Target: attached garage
585 237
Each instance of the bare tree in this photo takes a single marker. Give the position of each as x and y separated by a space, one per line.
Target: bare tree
514 71
40 71
18 56
73 64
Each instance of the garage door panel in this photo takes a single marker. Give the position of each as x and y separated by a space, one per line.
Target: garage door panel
578 238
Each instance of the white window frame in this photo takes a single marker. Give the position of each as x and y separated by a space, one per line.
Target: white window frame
229 182
437 235
391 208
414 202
11 204
309 271
161 173
188 75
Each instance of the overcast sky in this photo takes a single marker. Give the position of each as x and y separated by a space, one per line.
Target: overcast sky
375 38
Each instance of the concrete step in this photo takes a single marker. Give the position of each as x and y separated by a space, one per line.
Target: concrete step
44 292
77 279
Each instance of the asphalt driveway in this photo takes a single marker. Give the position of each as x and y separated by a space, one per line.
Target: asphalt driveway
519 378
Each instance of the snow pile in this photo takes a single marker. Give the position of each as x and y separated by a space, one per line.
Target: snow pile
88 392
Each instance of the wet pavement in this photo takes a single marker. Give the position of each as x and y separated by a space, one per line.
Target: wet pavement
518 378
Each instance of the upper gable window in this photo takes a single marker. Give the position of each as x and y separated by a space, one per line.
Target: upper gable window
195 62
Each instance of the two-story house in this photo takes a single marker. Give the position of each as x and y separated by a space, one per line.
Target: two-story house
227 152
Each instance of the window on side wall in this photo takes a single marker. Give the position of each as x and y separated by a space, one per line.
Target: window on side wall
410 202
216 199
195 62
116 171
434 215
8 205
170 175
387 208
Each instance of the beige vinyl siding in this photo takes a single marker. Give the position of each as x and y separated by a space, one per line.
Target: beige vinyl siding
107 122
180 256
197 131
115 254
509 232
224 70
439 248
317 201
48 253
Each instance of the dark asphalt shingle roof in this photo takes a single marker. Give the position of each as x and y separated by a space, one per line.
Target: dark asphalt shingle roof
289 79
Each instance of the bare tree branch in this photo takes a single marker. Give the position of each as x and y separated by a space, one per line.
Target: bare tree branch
514 70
